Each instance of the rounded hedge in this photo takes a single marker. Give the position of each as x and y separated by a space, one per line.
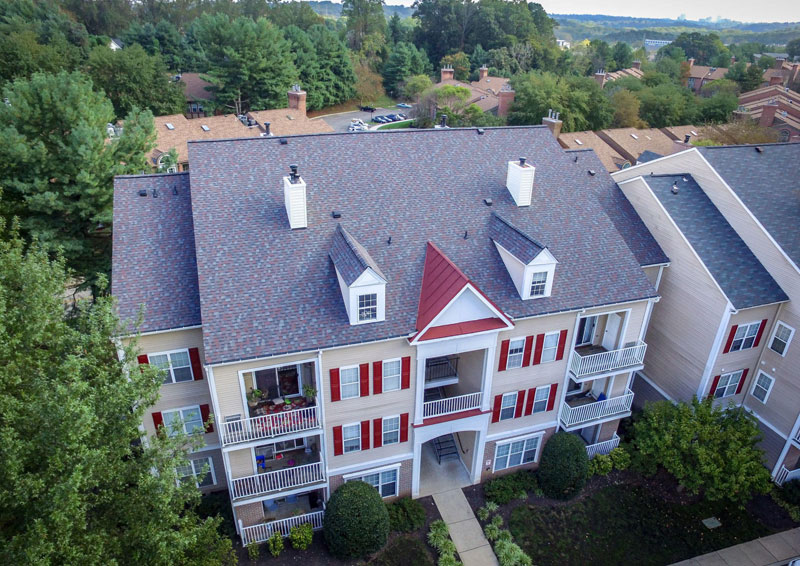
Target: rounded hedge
356 521
564 466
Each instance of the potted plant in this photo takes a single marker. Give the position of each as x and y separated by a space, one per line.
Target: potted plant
310 393
253 397
287 404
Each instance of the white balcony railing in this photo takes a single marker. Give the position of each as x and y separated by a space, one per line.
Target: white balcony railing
604 447
268 482
269 426
262 532
451 405
630 356
571 416
785 474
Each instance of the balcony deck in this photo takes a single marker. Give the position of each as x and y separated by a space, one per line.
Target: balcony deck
276 481
269 425
581 411
592 361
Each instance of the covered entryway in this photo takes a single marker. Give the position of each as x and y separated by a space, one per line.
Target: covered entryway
442 467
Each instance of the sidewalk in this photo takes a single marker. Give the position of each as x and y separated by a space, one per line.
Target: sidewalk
773 550
466 532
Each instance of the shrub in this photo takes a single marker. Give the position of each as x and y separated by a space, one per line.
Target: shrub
439 538
356 521
790 492
406 515
301 536
505 488
491 506
491 532
505 535
620 458
448 560
497 521
483 513
564 466
509 554
253 550
600 465
275 543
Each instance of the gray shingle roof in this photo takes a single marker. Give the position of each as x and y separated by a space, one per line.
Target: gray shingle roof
350 257
769 185
648 155
522 246
153 260
731 263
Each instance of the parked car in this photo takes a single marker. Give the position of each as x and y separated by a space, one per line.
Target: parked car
357 122
403 105
381 119
394 117
366 108
402 116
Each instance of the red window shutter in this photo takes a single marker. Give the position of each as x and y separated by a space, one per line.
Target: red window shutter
498 403
142 359
377 432
503 355
336 392
526 355
365 435
405 373
537 354
338 448
741 381
529 404
363 372
520 404
730 339
377 378
205 411
551 401
714 386
760 333
158 420
197 367
562 342
404 427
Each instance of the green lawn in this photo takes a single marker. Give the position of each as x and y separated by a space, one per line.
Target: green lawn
628 525
397 125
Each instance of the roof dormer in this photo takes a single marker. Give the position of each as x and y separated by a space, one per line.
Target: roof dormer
529 263
361 281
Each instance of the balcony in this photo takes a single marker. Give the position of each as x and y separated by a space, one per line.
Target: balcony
785 474
263 531
451 405
441 371
278 480
604 447
269 425
592 361
577 412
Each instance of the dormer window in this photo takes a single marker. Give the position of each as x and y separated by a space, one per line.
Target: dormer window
538 284
367 307
361 281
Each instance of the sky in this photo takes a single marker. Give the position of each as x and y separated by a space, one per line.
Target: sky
740 10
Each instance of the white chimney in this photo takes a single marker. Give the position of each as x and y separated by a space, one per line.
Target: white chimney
294 196
519 181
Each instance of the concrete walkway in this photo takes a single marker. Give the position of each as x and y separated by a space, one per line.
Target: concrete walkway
773 550
466 532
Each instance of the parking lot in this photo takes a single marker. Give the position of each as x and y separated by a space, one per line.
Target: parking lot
340 122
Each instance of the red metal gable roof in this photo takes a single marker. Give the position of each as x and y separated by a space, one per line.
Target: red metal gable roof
441 282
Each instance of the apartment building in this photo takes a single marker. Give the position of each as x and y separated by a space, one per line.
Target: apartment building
427 327
490 94
727 217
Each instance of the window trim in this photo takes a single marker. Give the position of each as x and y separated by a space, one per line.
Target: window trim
383 430
735 386
755 384
549 389
557 334
525 437
210 461
342 384
344 440
546 273
180 410
359 307
357 476
513 407
775 332
169 370
757 323
521 354
399 375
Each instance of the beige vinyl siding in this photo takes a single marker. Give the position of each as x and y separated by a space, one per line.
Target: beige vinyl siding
652 274
633 314
219 469
241 462
685 321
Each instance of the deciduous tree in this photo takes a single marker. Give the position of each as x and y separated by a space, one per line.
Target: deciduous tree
363 18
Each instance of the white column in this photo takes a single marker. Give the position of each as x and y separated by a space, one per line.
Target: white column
488 376
420 392
416 463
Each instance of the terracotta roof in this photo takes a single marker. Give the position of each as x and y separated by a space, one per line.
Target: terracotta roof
632 72
483 93
631 142
195 88
708 73
289 121
679 133
587 139
183 130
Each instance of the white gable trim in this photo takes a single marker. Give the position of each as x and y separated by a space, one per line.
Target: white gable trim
369 277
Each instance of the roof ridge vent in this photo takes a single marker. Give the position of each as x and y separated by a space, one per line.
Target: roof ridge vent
519 181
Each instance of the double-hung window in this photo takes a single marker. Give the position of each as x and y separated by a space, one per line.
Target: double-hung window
781 338
762 386
175 365
351 437
728 382
183 420
198 470
391 430
349 383
516 452
745 337
540 399
550 347
385 482
508 406
367 307
538 283
515 350
391 375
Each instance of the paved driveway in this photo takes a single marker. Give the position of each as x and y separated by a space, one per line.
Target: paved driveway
340 122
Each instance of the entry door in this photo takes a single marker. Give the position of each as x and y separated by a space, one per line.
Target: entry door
589 433
613 324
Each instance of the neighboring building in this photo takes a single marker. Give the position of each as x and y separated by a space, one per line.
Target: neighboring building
389 339
490 94
655 44
775 107
115 44
700 75
724 328
630 143
563 44
602 77
782 73
197 94
608 156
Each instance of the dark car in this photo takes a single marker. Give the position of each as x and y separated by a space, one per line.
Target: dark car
395 117
366 108
381 119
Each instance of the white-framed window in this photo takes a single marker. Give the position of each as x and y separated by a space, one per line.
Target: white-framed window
351 438
198 470
367 307
538 284
391 430
585 333
516 348
762 386
728 382
188 420
550 346
540 399
391 375
508 406
176 365
781 338
745 336
269 451
349 382
517 452
385 481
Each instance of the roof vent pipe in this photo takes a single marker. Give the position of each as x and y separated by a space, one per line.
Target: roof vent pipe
444 121
675 188
687 138
266 129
